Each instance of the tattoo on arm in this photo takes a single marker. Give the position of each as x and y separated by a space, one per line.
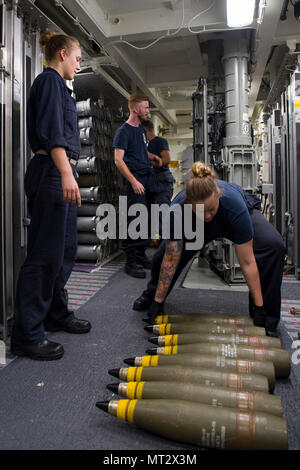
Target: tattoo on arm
168 268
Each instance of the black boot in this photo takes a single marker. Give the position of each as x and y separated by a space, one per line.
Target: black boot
44 351
141 303
141 257
132 268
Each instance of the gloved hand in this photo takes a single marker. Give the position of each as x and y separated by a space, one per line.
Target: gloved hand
259 316
155 309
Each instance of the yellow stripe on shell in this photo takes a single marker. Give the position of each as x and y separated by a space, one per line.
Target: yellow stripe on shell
130 411
131 389
162 329
134 374
122 409
139 390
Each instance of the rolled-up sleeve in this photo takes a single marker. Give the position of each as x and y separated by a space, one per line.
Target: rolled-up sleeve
120 140
50 113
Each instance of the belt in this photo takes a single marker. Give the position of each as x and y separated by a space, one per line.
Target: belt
43 152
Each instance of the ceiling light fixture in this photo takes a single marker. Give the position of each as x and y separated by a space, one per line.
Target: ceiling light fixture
240 13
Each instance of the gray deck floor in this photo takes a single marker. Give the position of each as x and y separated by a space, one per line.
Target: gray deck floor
51 405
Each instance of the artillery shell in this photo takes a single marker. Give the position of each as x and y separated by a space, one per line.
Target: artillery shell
203 425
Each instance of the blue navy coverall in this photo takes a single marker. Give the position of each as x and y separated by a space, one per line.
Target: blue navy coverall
134 143
238 219
163 174
52 237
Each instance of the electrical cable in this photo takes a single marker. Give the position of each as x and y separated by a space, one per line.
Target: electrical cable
168 34
196 16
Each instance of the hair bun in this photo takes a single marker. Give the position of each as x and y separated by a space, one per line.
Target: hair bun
200 170
46 36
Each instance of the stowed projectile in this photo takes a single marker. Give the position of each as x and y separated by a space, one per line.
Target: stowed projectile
215 396
202 318
279 357
203 425
196 327
209 361
191 338
195 375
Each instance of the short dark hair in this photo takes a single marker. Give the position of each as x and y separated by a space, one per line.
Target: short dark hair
148 124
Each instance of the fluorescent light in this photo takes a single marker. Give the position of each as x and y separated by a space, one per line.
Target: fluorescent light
240 12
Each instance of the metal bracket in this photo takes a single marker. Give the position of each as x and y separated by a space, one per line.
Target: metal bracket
4 71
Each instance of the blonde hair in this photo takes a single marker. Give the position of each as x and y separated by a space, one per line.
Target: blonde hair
135 99
52 42
202 183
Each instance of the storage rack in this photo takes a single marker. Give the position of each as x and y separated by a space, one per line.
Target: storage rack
99 180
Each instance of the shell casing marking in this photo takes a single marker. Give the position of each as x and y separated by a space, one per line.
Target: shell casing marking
135 389
171 340
245 400
254 341
220 361
229 350
240 330
134 374
125 410
243 366
261 353
149 361
245 429
234 381
236 339
210 438
220 329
